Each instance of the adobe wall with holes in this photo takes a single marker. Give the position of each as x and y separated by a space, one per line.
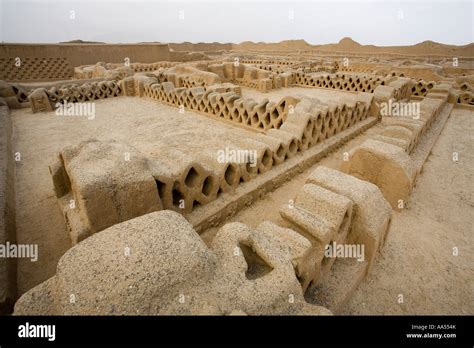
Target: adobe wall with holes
44 100
267 61
463 91
270 269
120 70
41 62
245 75
228 105
183 176
340 81
421 87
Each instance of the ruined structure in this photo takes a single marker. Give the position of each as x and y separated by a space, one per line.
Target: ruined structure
146 198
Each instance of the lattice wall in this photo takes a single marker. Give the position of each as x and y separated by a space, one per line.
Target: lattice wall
31 69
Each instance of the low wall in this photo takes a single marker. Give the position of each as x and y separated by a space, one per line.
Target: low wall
393 158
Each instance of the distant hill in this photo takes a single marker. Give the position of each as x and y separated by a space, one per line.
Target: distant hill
422 48
345 45
286 45
78 41
200 46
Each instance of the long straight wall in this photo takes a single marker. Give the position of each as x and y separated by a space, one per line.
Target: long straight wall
34 62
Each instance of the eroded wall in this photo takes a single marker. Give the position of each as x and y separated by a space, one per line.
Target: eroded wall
57 61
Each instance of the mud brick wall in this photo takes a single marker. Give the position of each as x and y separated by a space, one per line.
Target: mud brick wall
421 87
57 61
390 159
200 46
345 82
185 176
221 280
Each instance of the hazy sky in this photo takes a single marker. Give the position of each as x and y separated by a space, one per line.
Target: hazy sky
318 22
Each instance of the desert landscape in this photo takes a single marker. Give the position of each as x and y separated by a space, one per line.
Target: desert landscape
245 178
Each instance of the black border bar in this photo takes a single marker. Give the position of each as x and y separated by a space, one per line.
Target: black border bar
313 330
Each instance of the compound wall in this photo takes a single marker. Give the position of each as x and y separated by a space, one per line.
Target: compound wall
201 46
57 61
